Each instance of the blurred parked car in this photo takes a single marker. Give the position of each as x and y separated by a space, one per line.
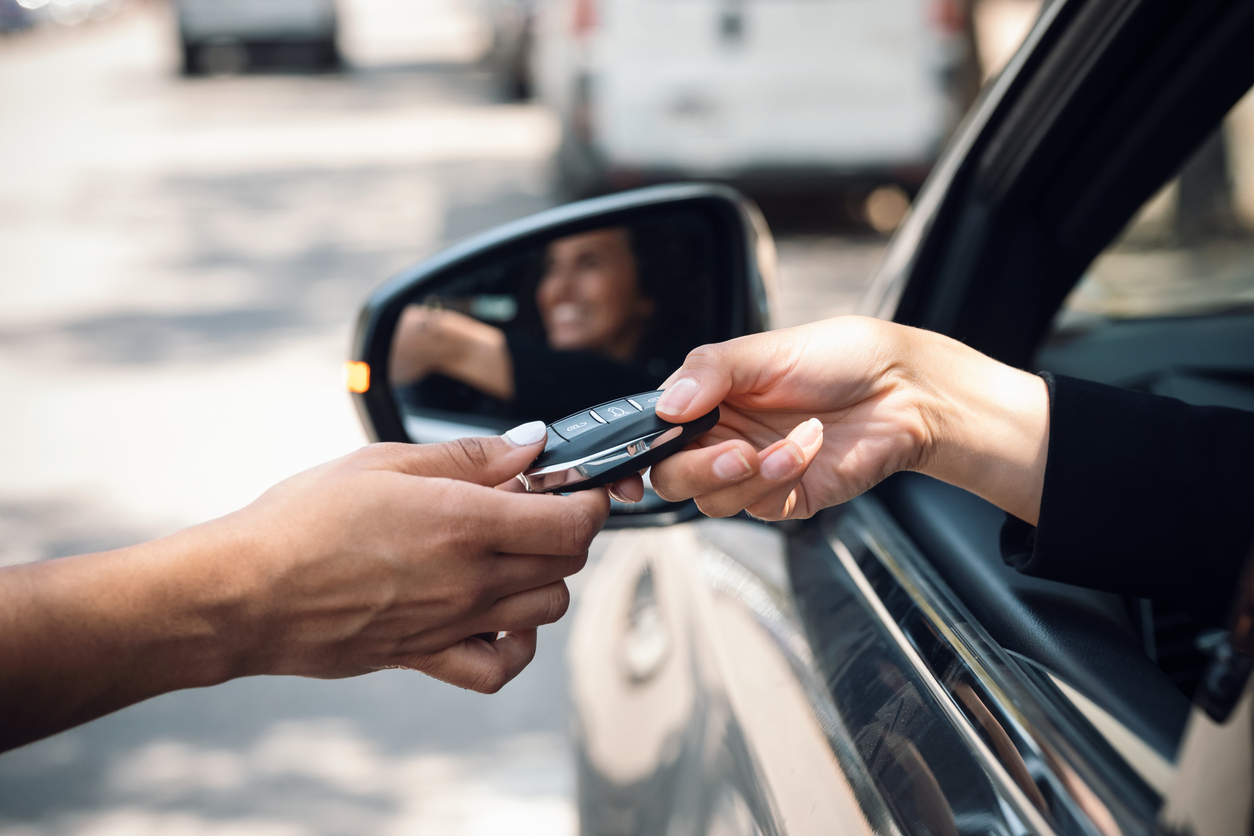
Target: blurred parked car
799 93
231 35
509 57
879 668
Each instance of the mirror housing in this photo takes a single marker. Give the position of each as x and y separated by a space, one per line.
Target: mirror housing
741 250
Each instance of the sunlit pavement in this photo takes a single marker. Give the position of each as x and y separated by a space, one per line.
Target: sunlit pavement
180 264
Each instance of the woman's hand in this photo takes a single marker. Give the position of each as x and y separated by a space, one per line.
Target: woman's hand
815 415
434 341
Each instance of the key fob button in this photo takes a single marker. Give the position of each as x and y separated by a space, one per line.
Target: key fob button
616 410
575 425
553 439
648 401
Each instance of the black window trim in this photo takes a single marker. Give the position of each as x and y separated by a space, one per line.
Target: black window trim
1117 95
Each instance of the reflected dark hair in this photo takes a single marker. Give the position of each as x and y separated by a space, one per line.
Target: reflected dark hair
674 261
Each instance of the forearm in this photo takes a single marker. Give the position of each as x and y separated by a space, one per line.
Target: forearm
989 423
83 636
478 356
454 345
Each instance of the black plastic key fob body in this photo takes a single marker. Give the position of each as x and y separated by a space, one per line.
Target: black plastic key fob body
607 442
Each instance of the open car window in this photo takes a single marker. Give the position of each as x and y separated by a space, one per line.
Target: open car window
1189 251
1168 308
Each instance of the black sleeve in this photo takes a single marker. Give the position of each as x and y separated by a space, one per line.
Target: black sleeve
551 384
1144 495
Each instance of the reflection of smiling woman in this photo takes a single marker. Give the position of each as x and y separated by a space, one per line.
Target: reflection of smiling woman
589 299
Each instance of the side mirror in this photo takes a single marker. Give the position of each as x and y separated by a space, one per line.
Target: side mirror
574 306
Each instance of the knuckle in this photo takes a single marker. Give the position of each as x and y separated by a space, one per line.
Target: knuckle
471 452
660 480
470 598
474 515
705 356
379 451
766 513
715 509
577 531
558 602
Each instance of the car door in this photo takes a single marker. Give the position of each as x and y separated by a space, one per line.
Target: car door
878 668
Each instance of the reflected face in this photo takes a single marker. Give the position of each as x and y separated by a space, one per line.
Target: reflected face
589 297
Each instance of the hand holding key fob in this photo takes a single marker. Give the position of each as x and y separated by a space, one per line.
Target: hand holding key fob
607 442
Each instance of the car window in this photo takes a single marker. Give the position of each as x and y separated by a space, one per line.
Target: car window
1189 251
1168 307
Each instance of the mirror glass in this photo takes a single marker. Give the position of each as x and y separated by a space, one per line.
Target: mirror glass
549 328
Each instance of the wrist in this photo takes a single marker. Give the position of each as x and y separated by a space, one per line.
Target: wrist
910 376
447 346
987 424
476 354
201 598
229 595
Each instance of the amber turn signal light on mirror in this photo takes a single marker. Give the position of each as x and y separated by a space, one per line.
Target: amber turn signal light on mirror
357 376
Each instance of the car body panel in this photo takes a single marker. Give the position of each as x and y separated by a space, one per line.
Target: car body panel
703 705
715 695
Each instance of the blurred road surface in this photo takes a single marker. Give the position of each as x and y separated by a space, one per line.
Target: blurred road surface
180 264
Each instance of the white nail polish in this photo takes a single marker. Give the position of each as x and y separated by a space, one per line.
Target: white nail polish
531 432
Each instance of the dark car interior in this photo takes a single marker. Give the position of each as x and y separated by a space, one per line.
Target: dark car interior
1111 110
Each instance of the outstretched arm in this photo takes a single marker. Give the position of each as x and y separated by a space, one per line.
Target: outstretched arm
430 341
813 416
394 556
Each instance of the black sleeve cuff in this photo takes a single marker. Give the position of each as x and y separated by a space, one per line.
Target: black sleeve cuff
1144 495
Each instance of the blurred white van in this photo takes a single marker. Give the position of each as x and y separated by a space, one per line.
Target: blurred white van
749 91
226 32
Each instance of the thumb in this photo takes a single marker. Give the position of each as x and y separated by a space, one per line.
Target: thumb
711 372
483 460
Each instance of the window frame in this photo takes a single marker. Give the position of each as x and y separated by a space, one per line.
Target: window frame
1106 104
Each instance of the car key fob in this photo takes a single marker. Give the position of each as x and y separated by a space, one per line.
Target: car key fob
607 442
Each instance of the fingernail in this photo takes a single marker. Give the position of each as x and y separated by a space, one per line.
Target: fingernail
616 494
783 462
526 434
678 396
807 433
731 465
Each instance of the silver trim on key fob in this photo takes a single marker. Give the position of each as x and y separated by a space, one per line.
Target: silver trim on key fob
557 475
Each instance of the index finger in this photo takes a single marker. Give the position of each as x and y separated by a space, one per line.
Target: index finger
711 372
533 523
